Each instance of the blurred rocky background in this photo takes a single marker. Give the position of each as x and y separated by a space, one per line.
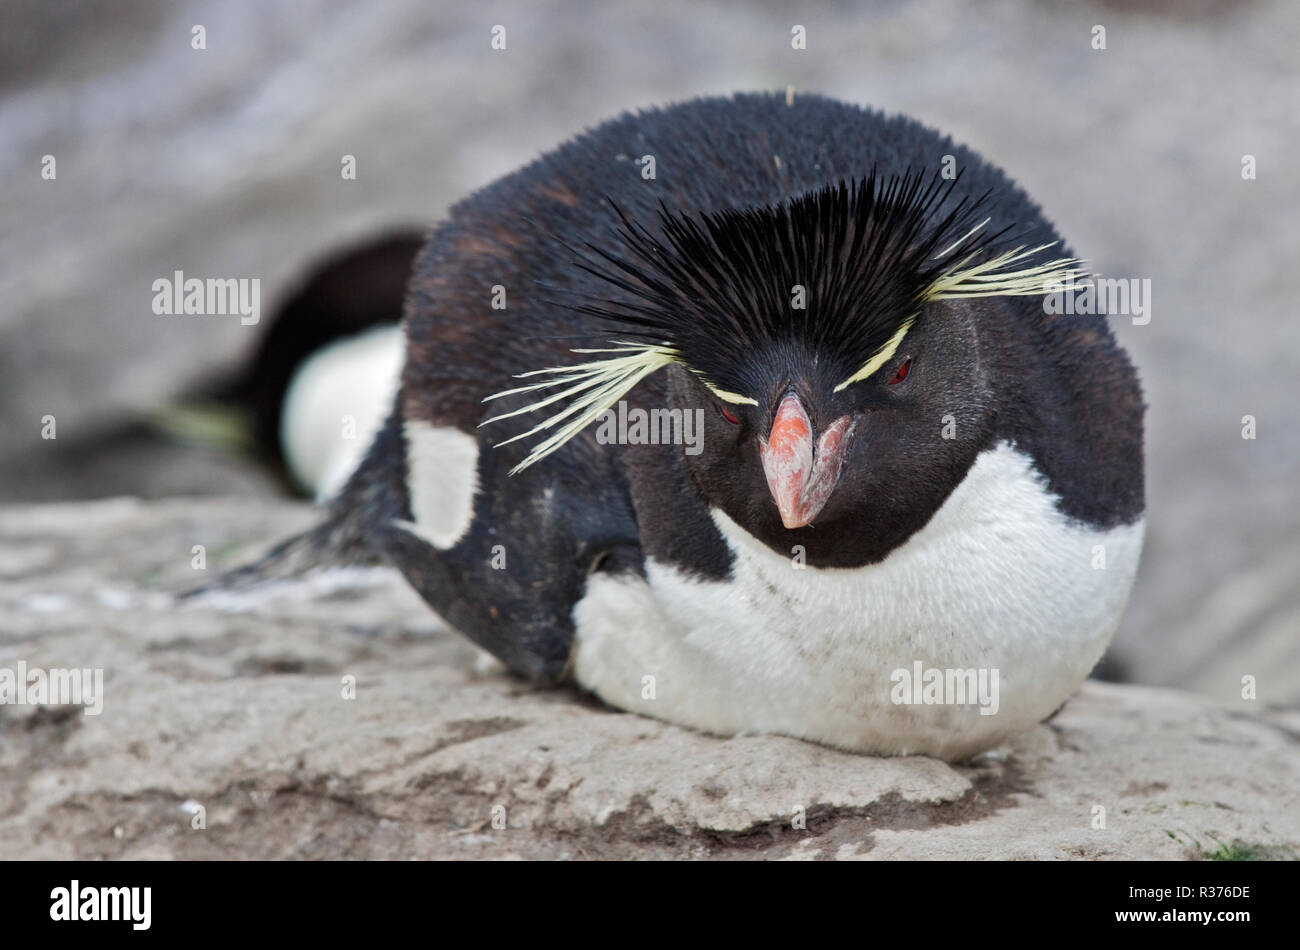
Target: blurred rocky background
225 161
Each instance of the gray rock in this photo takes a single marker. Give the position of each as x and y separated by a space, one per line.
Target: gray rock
234 702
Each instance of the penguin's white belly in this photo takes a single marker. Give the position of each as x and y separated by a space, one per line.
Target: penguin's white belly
999 590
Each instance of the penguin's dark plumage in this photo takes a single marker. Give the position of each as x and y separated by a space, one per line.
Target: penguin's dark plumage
919 465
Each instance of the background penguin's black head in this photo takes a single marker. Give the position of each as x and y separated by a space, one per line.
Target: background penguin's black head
345 295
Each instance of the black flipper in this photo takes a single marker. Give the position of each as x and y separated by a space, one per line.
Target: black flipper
511 582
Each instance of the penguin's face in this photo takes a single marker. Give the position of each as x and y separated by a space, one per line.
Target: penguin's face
847 475
836 343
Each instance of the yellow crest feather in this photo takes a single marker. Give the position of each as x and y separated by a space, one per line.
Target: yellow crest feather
991 278
881 356
596 386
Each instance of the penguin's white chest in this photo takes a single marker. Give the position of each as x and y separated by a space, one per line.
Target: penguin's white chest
979 626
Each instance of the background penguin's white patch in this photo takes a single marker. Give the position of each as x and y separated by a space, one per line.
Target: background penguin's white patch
442 480
355 377
998 578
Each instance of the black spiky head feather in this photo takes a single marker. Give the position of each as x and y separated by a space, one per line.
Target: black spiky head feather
713 292
834 272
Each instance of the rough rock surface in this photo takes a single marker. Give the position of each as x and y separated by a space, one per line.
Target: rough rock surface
234 702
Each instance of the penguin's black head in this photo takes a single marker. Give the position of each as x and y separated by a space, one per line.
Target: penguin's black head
831 344
850 474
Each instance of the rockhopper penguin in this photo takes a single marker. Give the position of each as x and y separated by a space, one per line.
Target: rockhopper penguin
904 463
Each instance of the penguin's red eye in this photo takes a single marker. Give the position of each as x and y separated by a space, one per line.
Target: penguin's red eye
728 415
901 373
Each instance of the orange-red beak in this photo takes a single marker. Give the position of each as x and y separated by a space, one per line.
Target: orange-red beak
800 474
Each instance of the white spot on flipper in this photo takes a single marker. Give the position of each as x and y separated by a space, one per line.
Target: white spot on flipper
442 480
